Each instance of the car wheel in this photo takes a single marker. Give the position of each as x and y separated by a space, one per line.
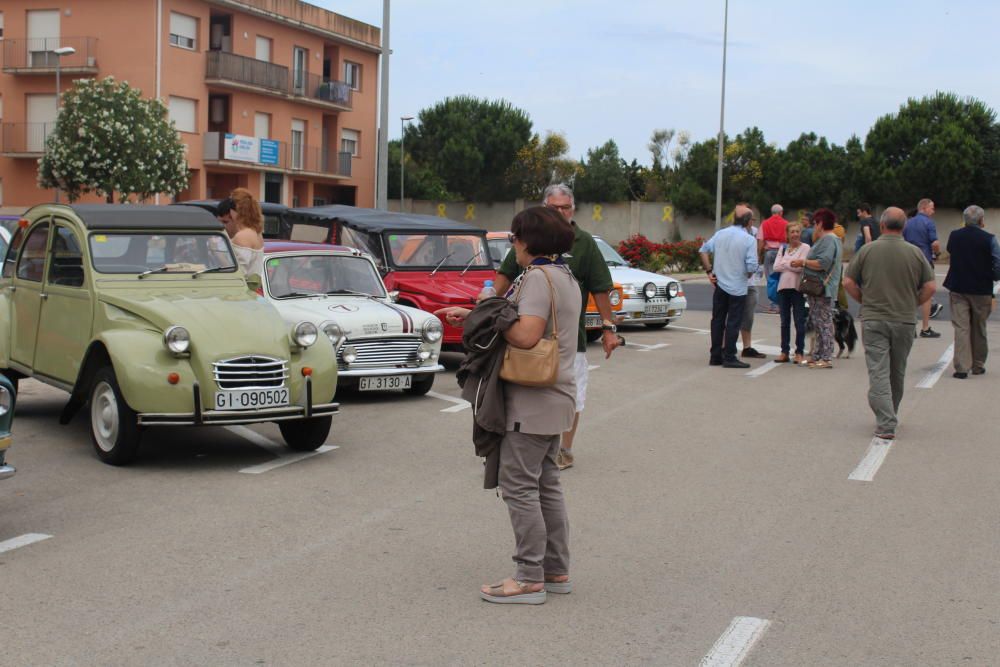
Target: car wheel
305 435
594 335
421 386
114 427
655 325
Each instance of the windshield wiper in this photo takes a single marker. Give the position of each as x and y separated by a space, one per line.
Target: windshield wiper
470 262
159 269
213 269
299 294
348 291
446 258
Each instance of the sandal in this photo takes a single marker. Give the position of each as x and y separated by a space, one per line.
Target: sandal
560 587
820 364
519 593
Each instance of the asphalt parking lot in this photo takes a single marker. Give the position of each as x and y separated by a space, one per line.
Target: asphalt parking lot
714 513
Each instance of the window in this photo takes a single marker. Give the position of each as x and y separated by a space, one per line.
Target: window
263 49
66 265
183 30
31 265
352 75
1 25
262 125
184 113
349 141
298 142
11 257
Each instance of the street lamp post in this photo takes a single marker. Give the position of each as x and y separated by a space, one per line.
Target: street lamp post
402 157
722 121
59 53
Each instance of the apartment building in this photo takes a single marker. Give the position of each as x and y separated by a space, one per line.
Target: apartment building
277 96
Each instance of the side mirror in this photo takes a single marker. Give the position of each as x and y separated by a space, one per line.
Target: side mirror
394 295
255 283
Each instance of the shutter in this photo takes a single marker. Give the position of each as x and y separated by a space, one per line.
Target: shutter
186 27
184 114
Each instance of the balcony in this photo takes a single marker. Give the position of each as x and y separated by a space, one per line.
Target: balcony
232 71
35 56
25 139
285 157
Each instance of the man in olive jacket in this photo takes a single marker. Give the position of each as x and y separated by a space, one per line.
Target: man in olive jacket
974 265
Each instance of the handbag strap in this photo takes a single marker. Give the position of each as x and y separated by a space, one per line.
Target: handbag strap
552 299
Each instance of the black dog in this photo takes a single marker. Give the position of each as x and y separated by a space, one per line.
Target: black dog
843 332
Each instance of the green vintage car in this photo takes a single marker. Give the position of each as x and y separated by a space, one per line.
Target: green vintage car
6 417
141 313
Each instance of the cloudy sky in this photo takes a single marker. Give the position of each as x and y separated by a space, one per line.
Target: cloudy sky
617 70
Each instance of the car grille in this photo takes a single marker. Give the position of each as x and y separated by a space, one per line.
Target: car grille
250 372
389 351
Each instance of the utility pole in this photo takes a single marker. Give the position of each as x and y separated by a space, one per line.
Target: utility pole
382 163
722 121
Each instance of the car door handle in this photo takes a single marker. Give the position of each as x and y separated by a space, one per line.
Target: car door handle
44 296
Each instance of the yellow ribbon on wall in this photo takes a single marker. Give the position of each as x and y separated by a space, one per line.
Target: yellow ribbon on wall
668 214
470 212
596 217
442 209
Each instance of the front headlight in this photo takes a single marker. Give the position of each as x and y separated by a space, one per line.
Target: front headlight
673 289
432 330
629 289
177 339
649 290
5 401
333 332
304 334
349 354
615 296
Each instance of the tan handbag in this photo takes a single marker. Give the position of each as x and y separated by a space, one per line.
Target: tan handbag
539 365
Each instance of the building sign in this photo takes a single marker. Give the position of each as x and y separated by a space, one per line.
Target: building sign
268 151
242 148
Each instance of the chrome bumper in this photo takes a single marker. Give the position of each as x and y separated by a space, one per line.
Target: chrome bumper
372 372
223 417
6 471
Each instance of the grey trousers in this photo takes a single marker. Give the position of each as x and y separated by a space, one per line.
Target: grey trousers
969 313
529 484
887 345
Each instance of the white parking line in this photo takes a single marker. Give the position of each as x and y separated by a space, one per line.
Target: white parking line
760 370
283 457
735 644
648 348
704 332
934 374
460 403
874 457
592 368
22 541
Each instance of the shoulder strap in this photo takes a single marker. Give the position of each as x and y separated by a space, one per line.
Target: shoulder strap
552 300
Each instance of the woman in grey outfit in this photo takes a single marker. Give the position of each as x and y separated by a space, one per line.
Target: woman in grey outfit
536 416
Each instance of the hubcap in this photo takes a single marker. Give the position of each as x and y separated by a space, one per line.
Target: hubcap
104 416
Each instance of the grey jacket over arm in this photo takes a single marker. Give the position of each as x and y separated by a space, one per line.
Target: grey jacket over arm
479 377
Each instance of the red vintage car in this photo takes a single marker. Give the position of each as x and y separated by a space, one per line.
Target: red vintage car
428 262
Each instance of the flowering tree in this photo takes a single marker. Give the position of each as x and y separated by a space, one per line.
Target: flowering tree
109 139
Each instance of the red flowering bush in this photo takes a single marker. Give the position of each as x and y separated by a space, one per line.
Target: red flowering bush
679 256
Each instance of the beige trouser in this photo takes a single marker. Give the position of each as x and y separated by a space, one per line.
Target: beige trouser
529 484
969 313
887 345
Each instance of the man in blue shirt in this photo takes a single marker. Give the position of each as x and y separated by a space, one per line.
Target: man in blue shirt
921 232
733 261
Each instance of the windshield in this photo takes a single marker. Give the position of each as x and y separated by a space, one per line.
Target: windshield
499 249
306 275
183 252
609 254
427 251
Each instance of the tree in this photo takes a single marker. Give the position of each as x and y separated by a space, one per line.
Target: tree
941 147
108 140
421 183
809 173
471 145
603 176
541 162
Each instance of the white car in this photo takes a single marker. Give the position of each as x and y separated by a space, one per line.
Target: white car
380 345
649 298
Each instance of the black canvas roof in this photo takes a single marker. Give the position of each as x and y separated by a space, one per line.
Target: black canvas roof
373 220
212 205
139 217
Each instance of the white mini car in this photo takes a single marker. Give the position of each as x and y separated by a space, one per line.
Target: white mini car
649 298
380 345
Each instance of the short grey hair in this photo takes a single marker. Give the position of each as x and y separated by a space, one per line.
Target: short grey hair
777 209
893 219
924 203
973 215
559 189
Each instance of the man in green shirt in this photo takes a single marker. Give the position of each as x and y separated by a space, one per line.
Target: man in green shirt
591 271
889 278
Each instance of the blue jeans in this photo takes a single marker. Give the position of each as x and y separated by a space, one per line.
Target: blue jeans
793 305
727 315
